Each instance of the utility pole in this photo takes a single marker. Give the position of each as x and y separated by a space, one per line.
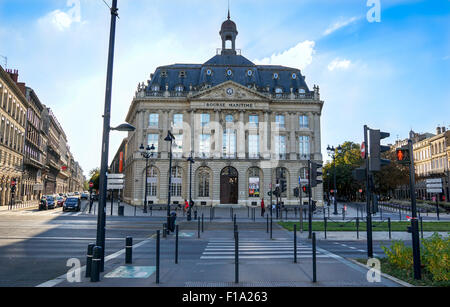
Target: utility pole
368 197
105 140
309 201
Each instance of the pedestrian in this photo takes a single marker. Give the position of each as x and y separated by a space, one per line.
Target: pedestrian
90 204
263 209
186 205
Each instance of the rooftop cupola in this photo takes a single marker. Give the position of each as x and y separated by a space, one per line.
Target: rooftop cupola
228 32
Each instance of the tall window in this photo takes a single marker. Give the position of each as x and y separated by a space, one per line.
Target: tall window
152 181
304 146
177 148
153 139
303 121
203 183
153 120
204 120
253 120
177 182
253 145
229 143
279 120
205 145
178 120
254 182
280 146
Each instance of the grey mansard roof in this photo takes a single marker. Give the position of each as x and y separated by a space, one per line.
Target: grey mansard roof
195 76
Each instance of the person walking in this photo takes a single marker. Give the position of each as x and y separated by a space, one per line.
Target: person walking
263 208
186 205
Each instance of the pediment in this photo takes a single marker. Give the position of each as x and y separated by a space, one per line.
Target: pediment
229 91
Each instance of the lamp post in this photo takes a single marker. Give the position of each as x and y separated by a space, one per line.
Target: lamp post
169 138
146 153
189 214
332 154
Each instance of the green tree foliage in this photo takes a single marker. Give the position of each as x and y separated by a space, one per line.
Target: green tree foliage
95 177
346 161
391 176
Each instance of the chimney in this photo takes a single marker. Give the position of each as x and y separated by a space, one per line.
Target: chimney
14 74
443 129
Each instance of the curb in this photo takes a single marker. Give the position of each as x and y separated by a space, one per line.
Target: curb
399 281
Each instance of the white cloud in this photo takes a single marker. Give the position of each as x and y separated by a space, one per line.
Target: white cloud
338 25
63 20
299 56
339 64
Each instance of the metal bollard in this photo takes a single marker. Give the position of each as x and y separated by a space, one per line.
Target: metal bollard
165 230
295 243
90 254
198 229
202 223
271 222
157 255
421 227
236 257
389 227
129 250
357 228
176 244
95 270
195 214
325 226
314 256
267 217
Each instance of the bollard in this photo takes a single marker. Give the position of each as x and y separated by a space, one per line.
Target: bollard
421 227
135 210
389 227
236 257
202 223
400 213
129 250
198 229
195 214
234 219
267 216
157 255
314 256
271 222
325 226
95 270
248 211
164 230
295 243
90 253
176 244
357 228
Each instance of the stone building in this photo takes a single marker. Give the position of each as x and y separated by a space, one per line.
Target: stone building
13 108
248 127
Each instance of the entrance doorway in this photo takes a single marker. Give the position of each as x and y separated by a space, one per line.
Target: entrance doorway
229 187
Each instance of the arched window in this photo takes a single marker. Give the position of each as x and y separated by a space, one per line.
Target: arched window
203 182
254 180
177 181
278 92
152 181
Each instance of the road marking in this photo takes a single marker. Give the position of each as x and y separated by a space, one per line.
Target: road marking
262 257
60 279
61 238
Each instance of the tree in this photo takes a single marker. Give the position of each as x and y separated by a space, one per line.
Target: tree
391 176
95 178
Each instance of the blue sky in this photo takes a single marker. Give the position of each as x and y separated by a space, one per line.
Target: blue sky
393 75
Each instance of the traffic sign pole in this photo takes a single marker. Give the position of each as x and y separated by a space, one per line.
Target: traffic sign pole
414 221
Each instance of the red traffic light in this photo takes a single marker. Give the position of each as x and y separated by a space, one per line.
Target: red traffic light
403 156
91 184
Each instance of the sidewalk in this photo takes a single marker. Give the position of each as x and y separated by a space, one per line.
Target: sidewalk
195 270
30 204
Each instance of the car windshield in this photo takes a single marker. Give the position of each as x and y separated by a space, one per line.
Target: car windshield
50 198
60 198
72 200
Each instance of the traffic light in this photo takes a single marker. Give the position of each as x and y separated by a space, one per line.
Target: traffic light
305 189
374 204
314 205
315 173
277 192
403 156
296 192
359 174
375 150
269 193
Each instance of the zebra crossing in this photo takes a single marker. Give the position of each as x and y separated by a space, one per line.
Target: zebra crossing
217 249
55 212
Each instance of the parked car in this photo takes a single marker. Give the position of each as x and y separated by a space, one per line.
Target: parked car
72 204
84 195
77 193
60 201
51 202
43 203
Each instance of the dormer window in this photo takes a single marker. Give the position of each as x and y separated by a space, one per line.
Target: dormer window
229 72
209 72
182 74
249 73
294 76
163 74
301 91
179 88
278 92
275 76
155 88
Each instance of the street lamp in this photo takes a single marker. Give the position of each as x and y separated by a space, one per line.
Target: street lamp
191 160
146 154
332 154
169 138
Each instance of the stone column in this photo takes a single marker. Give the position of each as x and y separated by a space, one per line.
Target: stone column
241 136
164 128
293 142
317 139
